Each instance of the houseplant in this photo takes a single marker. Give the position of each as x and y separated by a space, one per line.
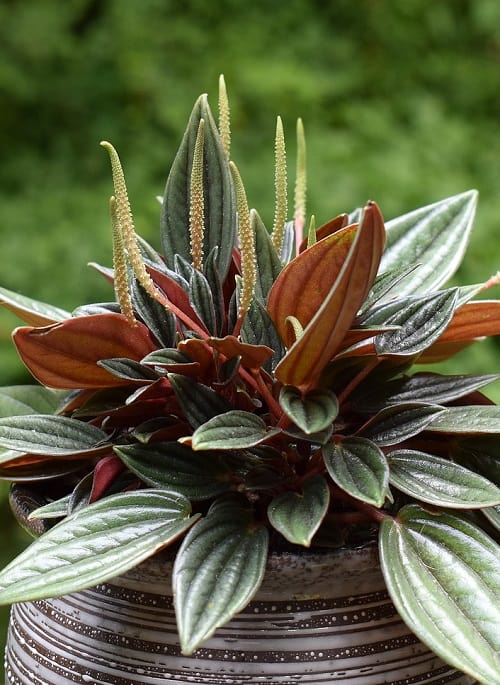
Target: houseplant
250 391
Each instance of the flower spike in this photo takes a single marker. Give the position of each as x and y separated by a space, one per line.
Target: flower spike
196 201
300 184
122 287
224 116
280 182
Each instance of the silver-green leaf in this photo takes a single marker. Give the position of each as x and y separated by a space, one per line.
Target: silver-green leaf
480 419
312 412
233 430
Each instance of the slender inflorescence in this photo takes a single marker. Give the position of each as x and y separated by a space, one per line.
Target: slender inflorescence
224 117
122 288
300 184
247 247
196 200
280 182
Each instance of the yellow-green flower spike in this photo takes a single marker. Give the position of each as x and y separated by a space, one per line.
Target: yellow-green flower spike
247 247
311 235
280 182
122 288
125 223
300 184
196 200
224 117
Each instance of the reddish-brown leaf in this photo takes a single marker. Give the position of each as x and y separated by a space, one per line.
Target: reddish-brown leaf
347 263
65 355
252 356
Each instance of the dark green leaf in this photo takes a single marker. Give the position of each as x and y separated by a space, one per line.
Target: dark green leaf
232 430
421 323
359 467
176 467
216 288
442 575
159 320
95 544
439 481
202 301
198 402
384 286
52 510
17 400
396 423
467 420
298 516
268 262
31 311
258 329
435 237
311 412
52 435
219 199
122 367
218 569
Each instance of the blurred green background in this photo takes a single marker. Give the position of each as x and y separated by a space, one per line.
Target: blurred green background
400 101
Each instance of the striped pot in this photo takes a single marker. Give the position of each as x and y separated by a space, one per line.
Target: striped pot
318 619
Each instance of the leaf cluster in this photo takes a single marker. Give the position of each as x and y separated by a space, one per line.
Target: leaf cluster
295 416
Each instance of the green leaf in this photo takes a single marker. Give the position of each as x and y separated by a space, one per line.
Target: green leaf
396 423
268 262
159 320
198 402
312 412
218 569
233 430
17 400
420 322
51 435
383 287
176 467
467 420
121 367
52 510
442 575
441 482
202 300
493 516
31 311
435 237
95 544
219 199
359 467
298 516
258 329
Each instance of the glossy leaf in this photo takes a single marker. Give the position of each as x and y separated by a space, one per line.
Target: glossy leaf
95 544
218 569
297 516
233 430
312 412
268 262
439 481
176 467
383 288
471 321
16 400
435 237
493 516
359 467
219 200
65 355
258 329
159 320
399 422
467 420
51 435
252 356
442 575
333 316
56 509
31 311
199 402
202 300
420 322
129 369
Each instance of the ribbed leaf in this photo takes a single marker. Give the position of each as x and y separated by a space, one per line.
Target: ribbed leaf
467 420
56 509
298 516
176 467
421 322
218 569
16 400
219 200
400 422
95 544
129 369
439 481
160 322
442 575
202 300
329 318
359 467
435 237
51 435
232 430
31 311
493 516
65 355
312 412
199 402
384 288
268 262
258 329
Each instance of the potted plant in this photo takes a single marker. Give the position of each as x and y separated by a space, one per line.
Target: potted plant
253 397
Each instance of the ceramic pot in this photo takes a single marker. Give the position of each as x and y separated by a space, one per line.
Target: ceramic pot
319 618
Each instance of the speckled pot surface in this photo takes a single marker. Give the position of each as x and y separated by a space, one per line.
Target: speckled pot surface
318 618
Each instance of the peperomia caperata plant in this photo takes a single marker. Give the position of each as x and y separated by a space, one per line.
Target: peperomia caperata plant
251 389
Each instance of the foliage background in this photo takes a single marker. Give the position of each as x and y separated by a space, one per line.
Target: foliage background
400 101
